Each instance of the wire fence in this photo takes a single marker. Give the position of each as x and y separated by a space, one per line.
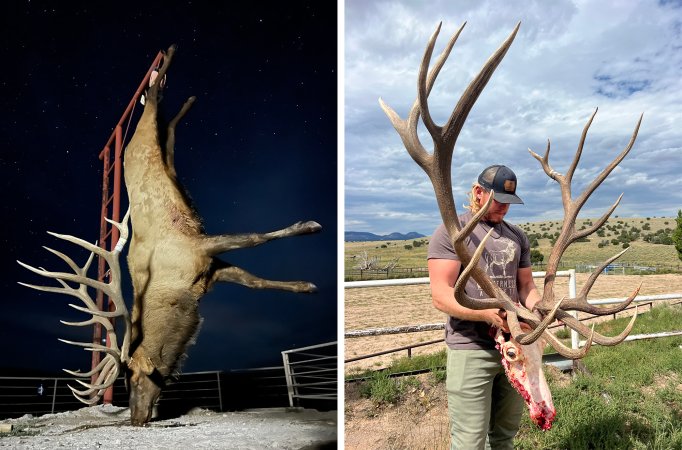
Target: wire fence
215 390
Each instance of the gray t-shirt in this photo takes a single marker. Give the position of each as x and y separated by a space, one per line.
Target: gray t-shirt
506 250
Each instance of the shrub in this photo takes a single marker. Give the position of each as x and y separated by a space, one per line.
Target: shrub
382 389
408 247
536 256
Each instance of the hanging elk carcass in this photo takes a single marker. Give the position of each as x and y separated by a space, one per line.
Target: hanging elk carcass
172 263
522 351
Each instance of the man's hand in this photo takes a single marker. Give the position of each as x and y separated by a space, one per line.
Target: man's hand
496 318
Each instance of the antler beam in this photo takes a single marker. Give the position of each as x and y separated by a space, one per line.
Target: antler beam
437 166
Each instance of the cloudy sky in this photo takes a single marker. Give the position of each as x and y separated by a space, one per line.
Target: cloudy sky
568 58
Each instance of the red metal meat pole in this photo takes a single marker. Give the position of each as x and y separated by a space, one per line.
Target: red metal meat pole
107 232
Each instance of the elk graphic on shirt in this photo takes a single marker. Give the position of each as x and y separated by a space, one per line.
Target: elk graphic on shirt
500 255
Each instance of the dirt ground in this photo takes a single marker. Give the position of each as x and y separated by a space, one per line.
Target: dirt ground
108 427
411 305
421 422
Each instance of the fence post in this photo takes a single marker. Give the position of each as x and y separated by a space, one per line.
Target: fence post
289 378
220 392
571 294
54 394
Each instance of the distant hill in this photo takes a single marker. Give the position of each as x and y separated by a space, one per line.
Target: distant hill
362 236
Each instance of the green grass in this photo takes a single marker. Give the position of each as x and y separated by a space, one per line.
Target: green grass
383 389
631 398
431 361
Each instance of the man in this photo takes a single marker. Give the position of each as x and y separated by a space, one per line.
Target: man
484 409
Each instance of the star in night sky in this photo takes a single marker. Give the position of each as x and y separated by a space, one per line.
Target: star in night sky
257 152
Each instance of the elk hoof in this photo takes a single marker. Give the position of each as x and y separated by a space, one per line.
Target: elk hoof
309 288
309 227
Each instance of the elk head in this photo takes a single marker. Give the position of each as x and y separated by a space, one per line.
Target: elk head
437 165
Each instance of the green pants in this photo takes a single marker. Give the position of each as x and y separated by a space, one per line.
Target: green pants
484 409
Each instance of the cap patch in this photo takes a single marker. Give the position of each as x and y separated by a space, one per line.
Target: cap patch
510 185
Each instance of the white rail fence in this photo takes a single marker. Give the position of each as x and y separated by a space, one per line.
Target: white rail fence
570 274
311 372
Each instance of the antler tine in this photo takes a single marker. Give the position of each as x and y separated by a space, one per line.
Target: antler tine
445 138
579 151
108 368
92 347
108 372
572 208
407 129
607 170
76 278
438 167
466 102
71 263
89 374
600 339
580 302
425 85
569 235
568 352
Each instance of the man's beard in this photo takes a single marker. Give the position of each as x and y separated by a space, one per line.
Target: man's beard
493 220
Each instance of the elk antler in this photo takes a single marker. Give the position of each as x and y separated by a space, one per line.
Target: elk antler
438 167
109 368
569 235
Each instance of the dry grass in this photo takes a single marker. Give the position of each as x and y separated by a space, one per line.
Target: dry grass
580 252
411 305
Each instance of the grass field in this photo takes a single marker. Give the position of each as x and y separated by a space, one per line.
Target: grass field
641 252
630 398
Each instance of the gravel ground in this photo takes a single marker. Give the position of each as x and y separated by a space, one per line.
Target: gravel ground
108 427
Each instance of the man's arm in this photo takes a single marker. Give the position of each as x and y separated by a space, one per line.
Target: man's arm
528 292
443 274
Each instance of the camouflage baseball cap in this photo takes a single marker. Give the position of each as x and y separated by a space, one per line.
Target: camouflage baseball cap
502 180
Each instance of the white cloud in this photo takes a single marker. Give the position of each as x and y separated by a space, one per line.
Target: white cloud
568 59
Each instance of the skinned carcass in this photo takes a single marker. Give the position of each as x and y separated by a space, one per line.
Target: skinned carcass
172 263
521 352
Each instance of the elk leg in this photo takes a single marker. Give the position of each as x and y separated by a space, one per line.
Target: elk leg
170 136
234 274
153 91
214 245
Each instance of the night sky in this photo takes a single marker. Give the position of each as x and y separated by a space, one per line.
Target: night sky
257 153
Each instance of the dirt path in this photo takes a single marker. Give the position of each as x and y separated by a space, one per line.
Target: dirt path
411 305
